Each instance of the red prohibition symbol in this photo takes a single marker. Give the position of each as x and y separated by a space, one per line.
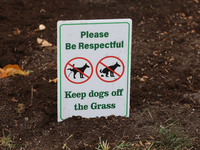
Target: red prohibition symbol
78 70
110 70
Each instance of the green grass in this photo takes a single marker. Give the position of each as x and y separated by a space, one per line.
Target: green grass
103 145
147 5
6 142
172 137
169 136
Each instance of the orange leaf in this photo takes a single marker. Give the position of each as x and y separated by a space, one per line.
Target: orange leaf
12 66
17 31
11 70
3 73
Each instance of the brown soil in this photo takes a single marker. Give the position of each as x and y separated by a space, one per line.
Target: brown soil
165 48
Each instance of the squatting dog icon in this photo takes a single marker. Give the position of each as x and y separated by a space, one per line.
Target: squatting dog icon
107 70
81 70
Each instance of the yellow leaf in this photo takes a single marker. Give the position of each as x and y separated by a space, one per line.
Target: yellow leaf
53 80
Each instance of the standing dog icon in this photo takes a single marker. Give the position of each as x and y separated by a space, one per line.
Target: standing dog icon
81 70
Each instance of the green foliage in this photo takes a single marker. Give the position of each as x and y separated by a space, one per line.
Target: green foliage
6 142
171 137
102 145
148 112
147 5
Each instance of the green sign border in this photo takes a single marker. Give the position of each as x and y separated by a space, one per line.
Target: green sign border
128 57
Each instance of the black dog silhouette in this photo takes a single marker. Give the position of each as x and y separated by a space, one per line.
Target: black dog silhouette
106 70
82 69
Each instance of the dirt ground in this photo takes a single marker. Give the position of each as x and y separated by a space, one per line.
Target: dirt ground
165 72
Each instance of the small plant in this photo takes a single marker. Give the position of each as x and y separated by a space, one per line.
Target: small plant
6 142
171 137
103 145
147 5
66 147
148 112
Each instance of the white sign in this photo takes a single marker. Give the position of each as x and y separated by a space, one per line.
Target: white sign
94 61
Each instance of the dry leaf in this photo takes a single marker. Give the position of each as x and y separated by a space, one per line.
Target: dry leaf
14 100
147 143
12 66
193 31
42 10
131 8
43 42
53 80
136 145
20 108
3 73
154 53
85 144
145 77
142 79
12 70
141 144
17 31
190 17
151 137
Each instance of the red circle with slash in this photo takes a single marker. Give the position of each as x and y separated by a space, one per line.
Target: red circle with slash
87 76
119 75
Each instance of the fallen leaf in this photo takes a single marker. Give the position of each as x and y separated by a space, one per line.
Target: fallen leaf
53 80
17 31
136 145
42 10
131 8
14 100
145 77
12 66
142 79
147 143
190 17
43 42
164 39
141 144
155 53
20 108
12 70
151 137
85 144
3 73
193 31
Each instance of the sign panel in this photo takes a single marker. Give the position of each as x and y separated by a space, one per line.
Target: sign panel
93 63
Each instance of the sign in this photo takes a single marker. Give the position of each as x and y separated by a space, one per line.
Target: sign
93 64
